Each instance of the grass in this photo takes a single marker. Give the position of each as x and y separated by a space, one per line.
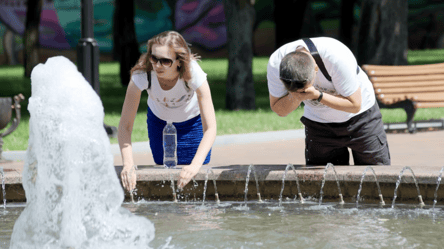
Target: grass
229 122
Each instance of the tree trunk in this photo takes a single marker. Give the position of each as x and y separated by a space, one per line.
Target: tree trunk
346 22
240 16
125 47
289 19
31 36
172 5
383 32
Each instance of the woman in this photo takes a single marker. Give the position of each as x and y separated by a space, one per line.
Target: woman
178 91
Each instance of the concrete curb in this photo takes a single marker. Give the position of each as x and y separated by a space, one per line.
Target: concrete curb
153 182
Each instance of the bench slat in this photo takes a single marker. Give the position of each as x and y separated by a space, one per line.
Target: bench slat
421 90
405 71
368 67
420 97
408 84
429 104
407 78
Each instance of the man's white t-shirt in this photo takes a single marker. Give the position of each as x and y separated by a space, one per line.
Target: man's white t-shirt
177 104
340 64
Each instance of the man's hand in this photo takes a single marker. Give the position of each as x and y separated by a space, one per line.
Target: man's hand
186 174
309 93
129 177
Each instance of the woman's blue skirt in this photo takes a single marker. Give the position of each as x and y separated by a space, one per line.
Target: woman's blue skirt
189 135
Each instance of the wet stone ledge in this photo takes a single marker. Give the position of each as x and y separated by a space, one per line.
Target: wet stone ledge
154 183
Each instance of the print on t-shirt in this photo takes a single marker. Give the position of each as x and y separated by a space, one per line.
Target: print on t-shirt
173 103
325 90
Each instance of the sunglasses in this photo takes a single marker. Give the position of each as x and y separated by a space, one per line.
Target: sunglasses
165 62
294 84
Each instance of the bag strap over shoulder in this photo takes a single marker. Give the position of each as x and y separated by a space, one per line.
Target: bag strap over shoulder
148 77
315 54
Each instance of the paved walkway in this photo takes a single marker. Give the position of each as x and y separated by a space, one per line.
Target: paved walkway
283 147
419 149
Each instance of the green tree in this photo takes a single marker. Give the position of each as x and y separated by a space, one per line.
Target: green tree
31 36
125 47
346 22
382 38
240 16
289 19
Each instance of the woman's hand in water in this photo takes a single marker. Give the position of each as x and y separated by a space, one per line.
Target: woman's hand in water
186 174
129 177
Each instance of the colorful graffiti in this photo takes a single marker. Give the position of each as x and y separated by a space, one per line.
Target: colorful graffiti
13 15
61 21
202 22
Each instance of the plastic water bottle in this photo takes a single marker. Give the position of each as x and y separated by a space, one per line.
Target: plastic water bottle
169 145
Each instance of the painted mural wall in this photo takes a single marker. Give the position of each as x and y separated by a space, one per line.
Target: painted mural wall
201 22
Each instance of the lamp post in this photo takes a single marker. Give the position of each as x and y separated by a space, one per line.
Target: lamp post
88 54
87 48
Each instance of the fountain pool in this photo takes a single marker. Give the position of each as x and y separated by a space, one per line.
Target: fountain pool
266 225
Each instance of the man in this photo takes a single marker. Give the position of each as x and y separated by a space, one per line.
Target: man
340 109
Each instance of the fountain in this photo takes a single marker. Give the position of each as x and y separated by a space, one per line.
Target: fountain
205 187
377 184
172 187
247 180
421 203
329 165
198 224
73 194
297 184
438 182
3 187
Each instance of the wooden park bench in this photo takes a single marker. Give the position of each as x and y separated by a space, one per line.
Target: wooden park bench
408 87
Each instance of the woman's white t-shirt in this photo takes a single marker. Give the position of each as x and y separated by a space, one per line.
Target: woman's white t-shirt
340 64
177 104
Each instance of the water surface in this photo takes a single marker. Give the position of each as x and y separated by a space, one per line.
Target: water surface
266 225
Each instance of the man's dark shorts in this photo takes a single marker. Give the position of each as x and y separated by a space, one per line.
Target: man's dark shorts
364 134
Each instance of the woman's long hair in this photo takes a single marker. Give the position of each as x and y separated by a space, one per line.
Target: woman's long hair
175 41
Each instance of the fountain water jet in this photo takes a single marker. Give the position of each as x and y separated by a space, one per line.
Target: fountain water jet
172 187
3 187
247 180
438 181
329 165
377 184
133 191
398 182
297 184
72 190
205 187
